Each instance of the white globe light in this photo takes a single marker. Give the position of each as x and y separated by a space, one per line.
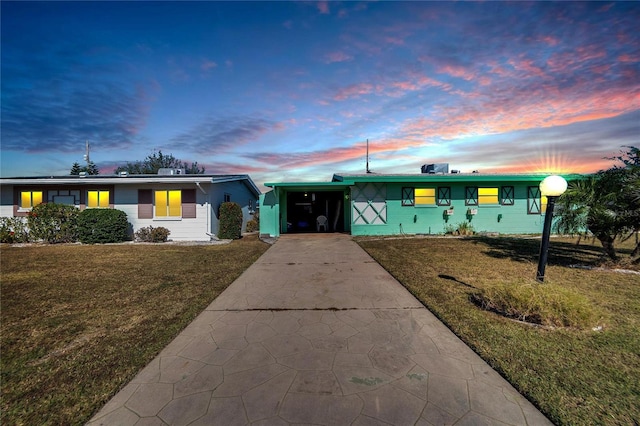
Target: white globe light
553 186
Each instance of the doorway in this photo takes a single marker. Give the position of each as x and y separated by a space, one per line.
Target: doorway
304 208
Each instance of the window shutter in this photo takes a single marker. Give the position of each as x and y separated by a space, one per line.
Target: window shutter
145 204
188 203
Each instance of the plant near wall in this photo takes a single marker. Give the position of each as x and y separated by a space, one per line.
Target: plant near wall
150 234
230 225
254 224
13 230
465 228
100 226
53 223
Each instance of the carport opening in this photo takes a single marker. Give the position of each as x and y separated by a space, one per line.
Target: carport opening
305 210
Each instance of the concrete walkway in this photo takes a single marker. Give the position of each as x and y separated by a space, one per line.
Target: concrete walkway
316 332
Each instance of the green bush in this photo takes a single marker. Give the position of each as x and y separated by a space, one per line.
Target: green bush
230 225
152 235
13 230
53 223
254 224
99 226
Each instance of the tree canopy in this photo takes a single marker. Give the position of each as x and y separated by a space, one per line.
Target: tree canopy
606 204
156 161
90 169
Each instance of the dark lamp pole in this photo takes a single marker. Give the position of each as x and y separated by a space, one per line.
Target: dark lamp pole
552 187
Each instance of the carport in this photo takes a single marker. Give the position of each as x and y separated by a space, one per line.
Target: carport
300 207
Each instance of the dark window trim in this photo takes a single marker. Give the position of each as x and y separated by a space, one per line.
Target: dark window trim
471 196
534 200
408 196
444 196
507 195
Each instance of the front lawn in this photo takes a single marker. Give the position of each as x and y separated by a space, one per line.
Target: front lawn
574 376
79 321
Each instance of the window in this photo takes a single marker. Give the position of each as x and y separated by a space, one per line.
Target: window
444 196
471 196
30 199
227 198
488 196
97 199
168 203
408 196
425 196
534 200
64 196
508 198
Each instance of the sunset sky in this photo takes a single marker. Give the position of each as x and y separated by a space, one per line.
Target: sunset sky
291 91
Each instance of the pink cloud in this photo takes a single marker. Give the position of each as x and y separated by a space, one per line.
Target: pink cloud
353 91
457 71
207 65
337 57
323 7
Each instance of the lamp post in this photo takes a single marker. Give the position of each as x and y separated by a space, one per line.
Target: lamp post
552 187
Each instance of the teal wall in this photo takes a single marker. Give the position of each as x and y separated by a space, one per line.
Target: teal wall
430 220
269 214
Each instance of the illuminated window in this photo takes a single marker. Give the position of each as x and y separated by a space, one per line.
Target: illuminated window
425 196
543 203
487 196
98 199
168 203
30 199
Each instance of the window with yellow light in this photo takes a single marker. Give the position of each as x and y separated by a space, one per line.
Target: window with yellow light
98 199
425 197
168 203
30 199
487 196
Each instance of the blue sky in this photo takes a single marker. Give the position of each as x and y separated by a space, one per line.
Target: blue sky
289 91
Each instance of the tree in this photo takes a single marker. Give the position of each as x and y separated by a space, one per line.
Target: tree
606 204
156 161
90 169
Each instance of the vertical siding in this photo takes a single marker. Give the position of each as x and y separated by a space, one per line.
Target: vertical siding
240 194
431 220
183 229
6 201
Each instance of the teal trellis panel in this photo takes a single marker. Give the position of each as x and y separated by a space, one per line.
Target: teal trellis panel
369 203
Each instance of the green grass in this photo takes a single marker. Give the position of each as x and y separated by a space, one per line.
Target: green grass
79 321
574 376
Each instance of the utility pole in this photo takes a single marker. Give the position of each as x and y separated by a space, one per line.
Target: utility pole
86 155
368 171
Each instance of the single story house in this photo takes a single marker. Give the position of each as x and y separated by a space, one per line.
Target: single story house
186 204
387 204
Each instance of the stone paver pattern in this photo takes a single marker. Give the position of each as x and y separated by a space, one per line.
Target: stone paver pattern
317 333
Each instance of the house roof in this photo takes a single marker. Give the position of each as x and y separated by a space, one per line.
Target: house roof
342 180
129 180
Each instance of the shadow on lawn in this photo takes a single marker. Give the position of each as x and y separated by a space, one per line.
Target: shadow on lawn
561 253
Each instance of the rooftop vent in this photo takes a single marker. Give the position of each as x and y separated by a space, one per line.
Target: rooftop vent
124 174
167 172
435 168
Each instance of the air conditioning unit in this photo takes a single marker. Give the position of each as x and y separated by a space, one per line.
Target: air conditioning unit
168 172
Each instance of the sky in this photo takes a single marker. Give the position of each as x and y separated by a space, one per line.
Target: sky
292 91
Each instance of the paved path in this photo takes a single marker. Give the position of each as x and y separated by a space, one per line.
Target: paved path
316 332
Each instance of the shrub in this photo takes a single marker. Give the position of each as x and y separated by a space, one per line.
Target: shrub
545 304
99 226
152 235
465 228
254 224
230 225
53 223
13 230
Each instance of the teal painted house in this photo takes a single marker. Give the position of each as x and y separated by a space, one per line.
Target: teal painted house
427 203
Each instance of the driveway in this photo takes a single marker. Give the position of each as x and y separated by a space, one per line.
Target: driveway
316 332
